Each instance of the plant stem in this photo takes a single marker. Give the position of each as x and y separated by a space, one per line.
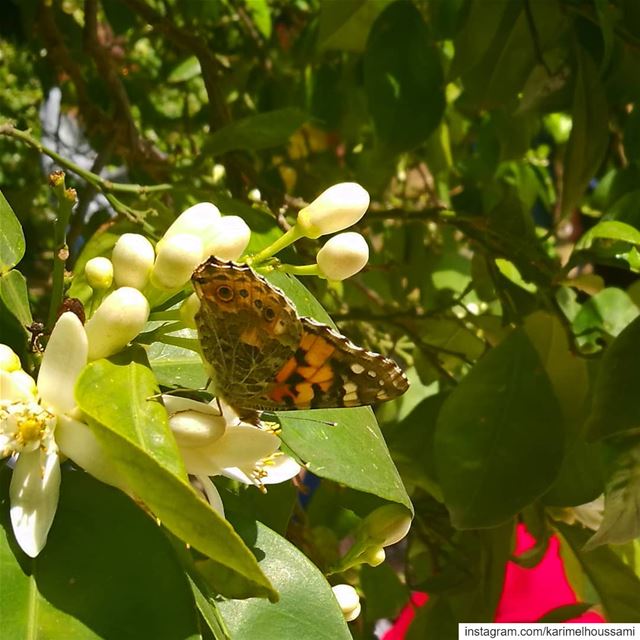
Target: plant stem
66 201
299 270
106 186
283 241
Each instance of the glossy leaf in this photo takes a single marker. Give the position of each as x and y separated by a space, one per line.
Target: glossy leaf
101 549
499 437
621 522
345 25
120 398
615 401
615 583
11 237
185 70
261 131
589 134
497 57
351 452
14 295
403 78
307 606
610 230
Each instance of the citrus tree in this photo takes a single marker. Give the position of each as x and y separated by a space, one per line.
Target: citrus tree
201 199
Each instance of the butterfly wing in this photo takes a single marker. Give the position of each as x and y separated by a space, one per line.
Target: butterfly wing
264 356
247 329
327 370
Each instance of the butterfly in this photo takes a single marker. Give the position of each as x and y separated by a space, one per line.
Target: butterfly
264 356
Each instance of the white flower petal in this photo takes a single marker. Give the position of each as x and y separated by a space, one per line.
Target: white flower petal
240 446
9 360
64 358
196 429
240 475
13 388
76 441
34 491
174 404
244 445
279 468
212 494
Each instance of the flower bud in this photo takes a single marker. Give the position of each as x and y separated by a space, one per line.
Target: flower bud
177 257
348 600
335 209
388 524
119 319
9 361
343 256
196 221
374 556
188 310
132 260
229 240
99 273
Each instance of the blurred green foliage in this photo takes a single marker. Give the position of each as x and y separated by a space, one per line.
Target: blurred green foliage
500 141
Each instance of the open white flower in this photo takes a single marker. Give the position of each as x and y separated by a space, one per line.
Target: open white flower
29 420
213 444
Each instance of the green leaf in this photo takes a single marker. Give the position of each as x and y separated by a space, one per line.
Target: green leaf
581 476
107 571
14 295
615 583
403 78
11 237
609 230
119 398
307 606
497 50
610 310
260 131
261 14
615 398
345 25
510 271
565 612
175 366
412 441
566 371
385 595
621 522
589 134
352 451
499 437
185 70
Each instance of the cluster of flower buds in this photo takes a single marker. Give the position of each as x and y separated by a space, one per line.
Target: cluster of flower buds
335 209
141 273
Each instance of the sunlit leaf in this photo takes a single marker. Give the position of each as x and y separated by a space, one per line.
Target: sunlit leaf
121 399
307 606
11 237
101 549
